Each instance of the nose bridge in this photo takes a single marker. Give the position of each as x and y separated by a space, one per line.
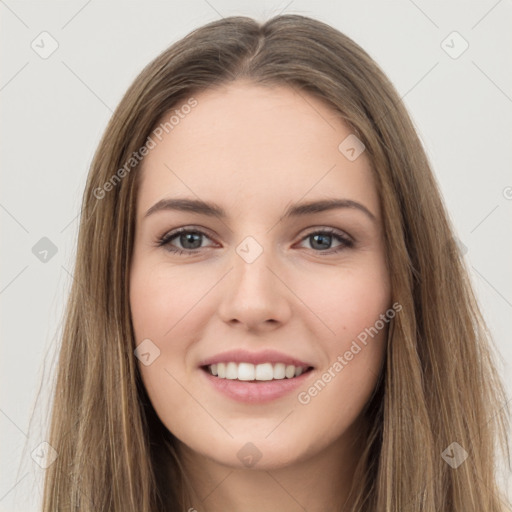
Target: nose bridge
252 264
254 293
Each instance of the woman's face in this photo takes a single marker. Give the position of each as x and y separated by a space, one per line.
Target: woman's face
264 285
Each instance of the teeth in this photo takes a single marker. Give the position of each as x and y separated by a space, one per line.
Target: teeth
264 371
231 371
248 371
279 371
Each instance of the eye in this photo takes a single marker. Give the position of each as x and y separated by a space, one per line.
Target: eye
191 241
189 238
322 238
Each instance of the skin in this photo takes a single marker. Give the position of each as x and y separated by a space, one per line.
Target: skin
255 150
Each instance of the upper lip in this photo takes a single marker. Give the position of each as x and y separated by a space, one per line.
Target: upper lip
262 356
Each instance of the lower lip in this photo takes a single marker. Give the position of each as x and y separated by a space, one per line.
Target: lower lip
256 392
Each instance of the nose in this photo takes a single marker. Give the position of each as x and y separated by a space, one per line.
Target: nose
255 296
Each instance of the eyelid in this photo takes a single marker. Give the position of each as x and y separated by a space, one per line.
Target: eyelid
346 240
205 232
166 237
330 230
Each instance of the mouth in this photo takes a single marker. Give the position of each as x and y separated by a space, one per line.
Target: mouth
255 377
255 373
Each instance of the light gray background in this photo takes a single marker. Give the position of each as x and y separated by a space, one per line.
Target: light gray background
54 111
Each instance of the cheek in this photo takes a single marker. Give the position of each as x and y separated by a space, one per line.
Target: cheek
168 308
161 298
163 302
356 308
348 300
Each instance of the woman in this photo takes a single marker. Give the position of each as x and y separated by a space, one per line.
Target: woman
259 369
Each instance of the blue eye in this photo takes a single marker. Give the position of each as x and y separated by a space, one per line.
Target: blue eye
191 241
325 236
185 237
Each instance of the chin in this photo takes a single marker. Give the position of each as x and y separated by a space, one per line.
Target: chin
253 452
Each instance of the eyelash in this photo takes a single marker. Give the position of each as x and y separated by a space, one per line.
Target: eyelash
346 242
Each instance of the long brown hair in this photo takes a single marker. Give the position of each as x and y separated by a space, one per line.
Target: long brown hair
439 385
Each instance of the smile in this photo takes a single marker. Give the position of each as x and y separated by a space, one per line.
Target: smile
256 377
255 372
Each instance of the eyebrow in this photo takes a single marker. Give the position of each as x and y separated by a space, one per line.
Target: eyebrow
295 210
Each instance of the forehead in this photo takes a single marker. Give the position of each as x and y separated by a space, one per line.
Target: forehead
255 145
